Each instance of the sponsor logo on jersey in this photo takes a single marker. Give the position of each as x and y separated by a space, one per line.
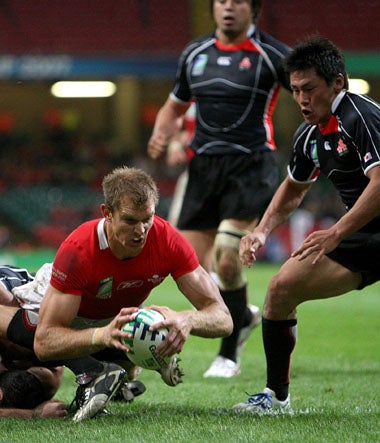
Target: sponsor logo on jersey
156 279
245 64
130 284
59 275
327 146
341 148
199 66
368 157
224 61
105 288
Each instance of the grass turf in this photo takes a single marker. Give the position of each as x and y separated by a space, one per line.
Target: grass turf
334 385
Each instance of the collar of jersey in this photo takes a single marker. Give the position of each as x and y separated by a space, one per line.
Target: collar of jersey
246 44
103 242
337 100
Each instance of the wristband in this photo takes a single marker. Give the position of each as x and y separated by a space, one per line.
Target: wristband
94 338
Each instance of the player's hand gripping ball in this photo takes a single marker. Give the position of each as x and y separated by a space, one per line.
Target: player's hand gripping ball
144 342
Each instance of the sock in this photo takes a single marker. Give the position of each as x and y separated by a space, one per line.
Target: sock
81 365
279 341
247 317
236 301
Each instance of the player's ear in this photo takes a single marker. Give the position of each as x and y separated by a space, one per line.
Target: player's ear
106 211
339 83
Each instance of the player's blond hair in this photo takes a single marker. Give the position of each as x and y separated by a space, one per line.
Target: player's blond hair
136 183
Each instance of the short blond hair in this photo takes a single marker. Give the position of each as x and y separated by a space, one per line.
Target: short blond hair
135 183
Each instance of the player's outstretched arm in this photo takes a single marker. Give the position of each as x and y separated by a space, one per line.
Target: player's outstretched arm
165 127
287 198
48 409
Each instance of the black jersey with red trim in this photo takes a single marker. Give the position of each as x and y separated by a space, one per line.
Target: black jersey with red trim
344 150
235 89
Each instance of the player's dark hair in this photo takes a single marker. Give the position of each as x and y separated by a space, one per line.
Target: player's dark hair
317 53
136 183
21 390
255 6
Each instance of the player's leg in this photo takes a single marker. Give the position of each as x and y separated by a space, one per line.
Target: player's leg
233 288
203 243
296 282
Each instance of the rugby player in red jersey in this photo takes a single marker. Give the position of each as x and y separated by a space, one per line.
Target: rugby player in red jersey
102 273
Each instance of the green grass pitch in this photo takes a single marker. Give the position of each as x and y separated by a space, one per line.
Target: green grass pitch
335 384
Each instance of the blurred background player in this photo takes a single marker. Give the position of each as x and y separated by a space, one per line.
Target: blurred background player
340 138
178 155
234 76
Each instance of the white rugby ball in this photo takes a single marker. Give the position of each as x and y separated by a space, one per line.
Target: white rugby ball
144 342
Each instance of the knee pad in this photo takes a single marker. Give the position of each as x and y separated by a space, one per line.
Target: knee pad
227 263
22 328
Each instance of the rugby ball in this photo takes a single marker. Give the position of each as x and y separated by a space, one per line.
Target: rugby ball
144 342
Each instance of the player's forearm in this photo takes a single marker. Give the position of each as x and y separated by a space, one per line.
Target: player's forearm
166 121
55 343
212 322
17 413
287 198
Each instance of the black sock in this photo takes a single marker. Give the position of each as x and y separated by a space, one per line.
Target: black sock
279 341
236 301
81 365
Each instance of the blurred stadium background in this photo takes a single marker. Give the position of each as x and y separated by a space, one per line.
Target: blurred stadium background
55 151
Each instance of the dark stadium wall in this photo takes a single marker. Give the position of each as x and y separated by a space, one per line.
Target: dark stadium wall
82 27
93 26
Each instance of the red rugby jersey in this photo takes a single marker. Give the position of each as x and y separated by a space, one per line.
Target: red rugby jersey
85 266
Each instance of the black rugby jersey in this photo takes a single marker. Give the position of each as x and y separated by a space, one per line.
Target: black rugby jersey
235 89
344 150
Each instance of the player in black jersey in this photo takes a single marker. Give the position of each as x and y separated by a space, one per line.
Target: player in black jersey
26 387
341 139
234 76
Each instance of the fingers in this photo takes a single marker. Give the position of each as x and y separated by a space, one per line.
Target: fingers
157 145
307 249
247 250
113 335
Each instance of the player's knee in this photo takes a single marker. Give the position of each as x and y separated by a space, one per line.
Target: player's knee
229 270
279 301
227 263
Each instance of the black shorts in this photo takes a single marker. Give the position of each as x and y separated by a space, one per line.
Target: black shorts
228 186
11 277
360 252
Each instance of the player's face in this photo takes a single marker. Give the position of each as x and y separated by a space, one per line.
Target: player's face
232 18
129 229
313 95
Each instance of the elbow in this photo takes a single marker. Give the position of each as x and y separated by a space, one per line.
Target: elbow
228 325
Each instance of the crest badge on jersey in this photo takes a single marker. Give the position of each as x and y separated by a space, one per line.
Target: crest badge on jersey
342 148
245 64
199 66
105 288
314 153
